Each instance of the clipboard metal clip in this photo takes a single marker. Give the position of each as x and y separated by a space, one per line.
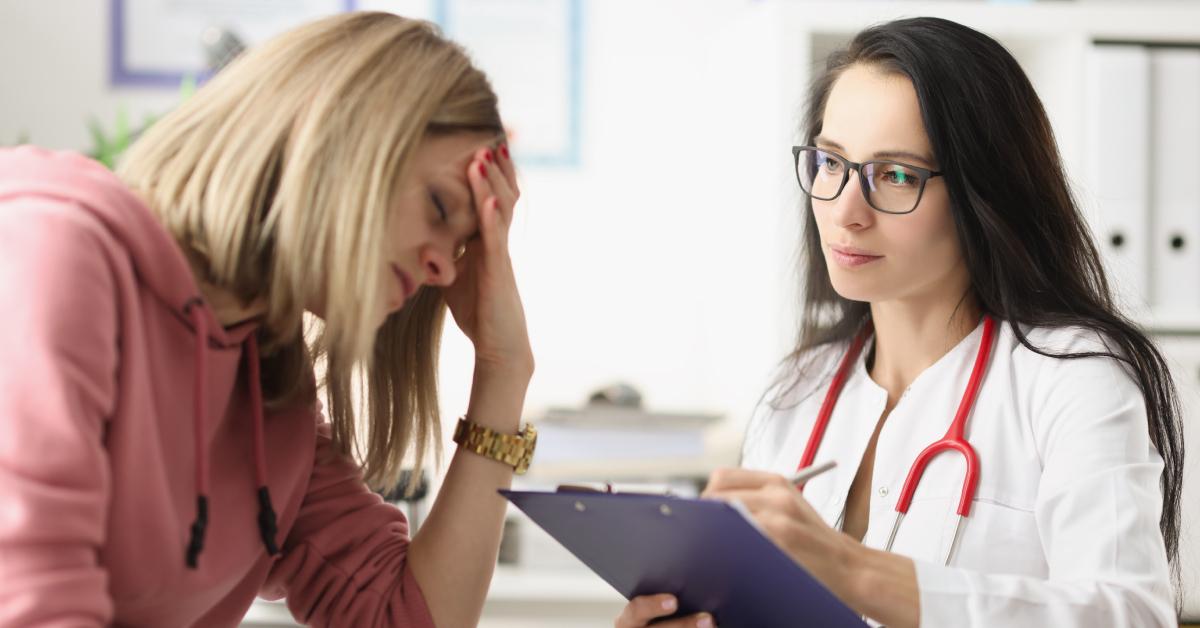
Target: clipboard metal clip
611 489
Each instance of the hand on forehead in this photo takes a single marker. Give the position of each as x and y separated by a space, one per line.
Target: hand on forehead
441 164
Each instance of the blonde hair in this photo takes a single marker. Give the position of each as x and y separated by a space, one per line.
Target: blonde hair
276 179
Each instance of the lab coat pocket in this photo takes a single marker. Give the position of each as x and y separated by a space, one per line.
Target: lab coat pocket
997 538
922 532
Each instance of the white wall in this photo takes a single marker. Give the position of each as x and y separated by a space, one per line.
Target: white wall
54 73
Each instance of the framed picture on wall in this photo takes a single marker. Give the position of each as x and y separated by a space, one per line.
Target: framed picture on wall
157 43
531 51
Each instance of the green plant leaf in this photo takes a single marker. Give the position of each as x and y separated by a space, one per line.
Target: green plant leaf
101 145
187 87
121 137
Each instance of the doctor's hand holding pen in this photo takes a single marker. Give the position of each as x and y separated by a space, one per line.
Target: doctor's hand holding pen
867 580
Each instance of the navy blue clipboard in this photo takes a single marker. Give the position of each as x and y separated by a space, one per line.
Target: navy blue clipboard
703 551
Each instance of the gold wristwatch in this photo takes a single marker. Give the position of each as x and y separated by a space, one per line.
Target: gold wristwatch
515 450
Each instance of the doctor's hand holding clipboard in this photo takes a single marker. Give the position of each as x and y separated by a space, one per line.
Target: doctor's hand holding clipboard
780 511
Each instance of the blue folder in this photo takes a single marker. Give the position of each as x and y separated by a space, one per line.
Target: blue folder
704 552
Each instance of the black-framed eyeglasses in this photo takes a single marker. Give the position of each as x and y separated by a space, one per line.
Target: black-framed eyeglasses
891 187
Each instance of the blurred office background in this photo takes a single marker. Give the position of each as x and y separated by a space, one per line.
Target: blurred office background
656 237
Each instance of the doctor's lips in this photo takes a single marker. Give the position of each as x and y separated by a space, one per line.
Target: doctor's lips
851 257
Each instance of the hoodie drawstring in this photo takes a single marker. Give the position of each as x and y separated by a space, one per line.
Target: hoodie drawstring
267 526
266 514
199 411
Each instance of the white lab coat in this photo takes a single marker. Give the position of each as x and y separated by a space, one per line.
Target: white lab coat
1064 526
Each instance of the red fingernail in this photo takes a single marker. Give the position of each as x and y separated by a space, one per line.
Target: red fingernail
490 157
482 169
504 150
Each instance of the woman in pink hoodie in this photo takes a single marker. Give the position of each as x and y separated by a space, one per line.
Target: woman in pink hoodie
163 456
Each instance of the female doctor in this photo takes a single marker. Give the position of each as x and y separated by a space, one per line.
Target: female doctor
943 244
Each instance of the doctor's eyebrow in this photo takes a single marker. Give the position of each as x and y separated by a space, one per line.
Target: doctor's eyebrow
897 155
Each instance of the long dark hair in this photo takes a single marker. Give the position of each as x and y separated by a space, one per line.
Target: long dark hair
1031 257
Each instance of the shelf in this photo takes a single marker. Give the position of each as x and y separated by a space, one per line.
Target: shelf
1171 322
632 470
517 584
722 448
1142 21
526 588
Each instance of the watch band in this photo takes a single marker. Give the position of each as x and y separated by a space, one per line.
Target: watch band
514 450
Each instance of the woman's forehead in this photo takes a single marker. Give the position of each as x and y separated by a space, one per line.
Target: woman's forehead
451 150
870 111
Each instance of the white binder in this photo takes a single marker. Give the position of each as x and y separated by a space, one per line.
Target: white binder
1118 166
1175 180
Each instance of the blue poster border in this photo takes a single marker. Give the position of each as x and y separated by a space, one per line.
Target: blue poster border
569 155
121 75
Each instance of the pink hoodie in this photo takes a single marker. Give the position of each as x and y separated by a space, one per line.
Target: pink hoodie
122 400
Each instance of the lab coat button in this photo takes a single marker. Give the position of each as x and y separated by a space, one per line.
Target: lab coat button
883 491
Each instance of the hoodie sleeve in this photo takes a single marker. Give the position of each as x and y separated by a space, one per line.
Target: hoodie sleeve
58 362
345 559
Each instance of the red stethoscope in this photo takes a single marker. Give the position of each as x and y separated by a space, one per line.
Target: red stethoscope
953 440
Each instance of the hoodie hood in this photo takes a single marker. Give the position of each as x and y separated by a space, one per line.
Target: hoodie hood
160 264
163 270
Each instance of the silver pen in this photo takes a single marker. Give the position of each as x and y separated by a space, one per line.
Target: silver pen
810 472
